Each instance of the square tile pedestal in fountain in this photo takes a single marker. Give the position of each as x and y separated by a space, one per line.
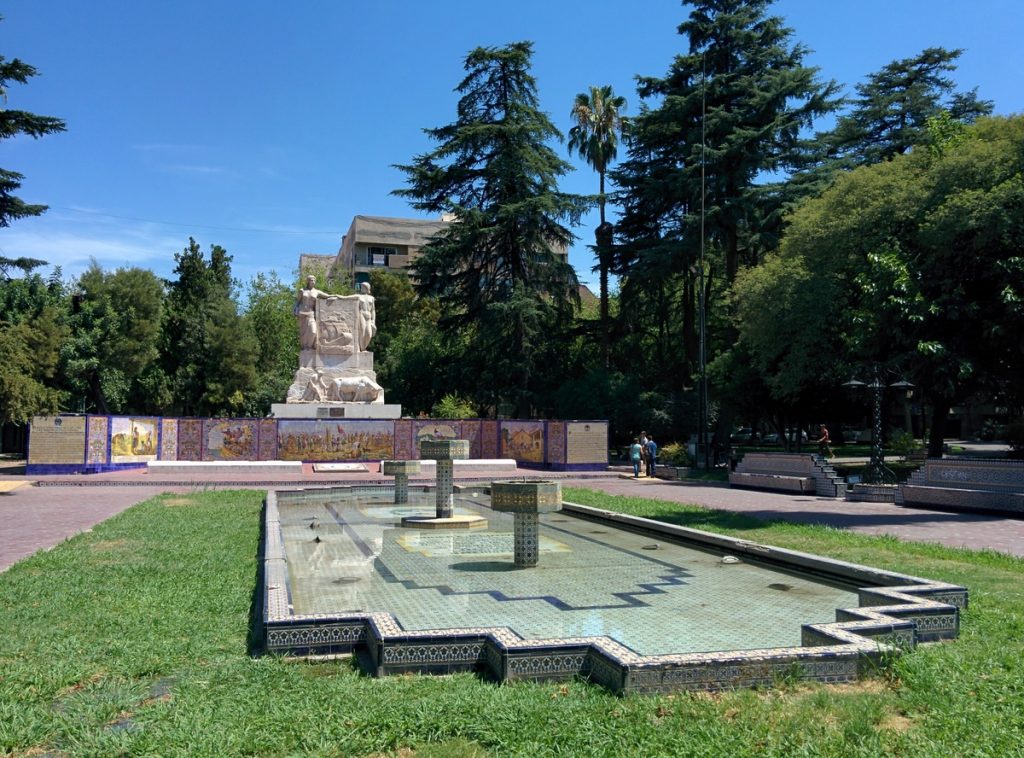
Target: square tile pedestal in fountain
401 471
525 501
445 452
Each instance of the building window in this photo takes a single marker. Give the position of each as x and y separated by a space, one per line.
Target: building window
378 256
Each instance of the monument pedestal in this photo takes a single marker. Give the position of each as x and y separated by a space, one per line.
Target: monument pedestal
336 410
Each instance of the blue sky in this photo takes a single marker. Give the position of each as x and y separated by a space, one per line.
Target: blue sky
266 126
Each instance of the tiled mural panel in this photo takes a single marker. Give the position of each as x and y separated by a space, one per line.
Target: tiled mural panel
488 439
190 439
169 439
268 439
98 436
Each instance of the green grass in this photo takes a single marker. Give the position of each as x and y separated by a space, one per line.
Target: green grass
133 640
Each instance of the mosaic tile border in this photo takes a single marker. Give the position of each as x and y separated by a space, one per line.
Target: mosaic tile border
896 611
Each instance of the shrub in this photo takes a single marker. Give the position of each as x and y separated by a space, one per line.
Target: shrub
903 444
453 406
674 454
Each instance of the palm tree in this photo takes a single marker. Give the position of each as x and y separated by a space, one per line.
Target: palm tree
595 137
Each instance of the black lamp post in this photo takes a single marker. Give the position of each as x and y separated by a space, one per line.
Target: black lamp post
877 472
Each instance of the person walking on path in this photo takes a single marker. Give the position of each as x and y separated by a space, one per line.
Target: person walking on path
635 451
652 455
824 448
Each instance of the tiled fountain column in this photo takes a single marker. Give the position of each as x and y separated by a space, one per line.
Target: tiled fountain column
445 452
401 471
525 501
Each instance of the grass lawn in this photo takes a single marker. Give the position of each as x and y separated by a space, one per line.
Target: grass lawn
133 640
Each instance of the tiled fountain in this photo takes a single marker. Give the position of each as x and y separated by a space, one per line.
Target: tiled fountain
633 604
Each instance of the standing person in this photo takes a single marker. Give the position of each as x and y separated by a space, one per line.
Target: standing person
635 451
643 448
652 455
824 448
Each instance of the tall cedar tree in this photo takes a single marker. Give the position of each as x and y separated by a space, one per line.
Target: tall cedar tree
499 269
12 123
891 111
745 74
28 348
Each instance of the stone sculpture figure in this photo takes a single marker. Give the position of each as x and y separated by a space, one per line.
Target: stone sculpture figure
343 389
305 312
366 325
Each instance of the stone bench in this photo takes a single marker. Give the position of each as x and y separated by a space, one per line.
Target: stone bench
967 484
785 472
784 482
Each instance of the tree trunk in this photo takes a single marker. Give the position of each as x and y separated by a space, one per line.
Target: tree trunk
603 238
689 308
96 388
937 433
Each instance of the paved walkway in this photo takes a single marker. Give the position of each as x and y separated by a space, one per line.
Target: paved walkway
38 517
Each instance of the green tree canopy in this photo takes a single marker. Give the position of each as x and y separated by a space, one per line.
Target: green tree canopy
913 263
115 335
268 317
209 354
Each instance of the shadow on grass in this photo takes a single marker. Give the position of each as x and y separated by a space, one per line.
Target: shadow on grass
256 638
710 519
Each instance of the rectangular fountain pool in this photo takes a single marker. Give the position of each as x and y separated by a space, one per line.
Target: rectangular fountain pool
633 604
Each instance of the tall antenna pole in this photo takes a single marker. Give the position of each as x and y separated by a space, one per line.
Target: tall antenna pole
702 393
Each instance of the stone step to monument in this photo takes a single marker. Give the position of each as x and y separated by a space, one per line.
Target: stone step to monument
224 467
872 493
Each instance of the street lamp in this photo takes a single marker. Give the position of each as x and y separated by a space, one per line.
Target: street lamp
877 472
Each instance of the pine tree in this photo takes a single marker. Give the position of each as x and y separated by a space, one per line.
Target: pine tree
743 92
891 111
14 122
499 269
209 351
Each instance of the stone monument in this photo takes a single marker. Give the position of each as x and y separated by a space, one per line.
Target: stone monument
335 378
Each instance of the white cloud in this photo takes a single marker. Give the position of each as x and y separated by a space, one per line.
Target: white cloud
195 160
72 246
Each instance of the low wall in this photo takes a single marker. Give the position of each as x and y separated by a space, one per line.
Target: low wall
966 484
88 444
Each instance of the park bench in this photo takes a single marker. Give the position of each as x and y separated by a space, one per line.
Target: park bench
787 472
968 484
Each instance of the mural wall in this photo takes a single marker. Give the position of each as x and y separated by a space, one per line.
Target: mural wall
321 440
66 444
